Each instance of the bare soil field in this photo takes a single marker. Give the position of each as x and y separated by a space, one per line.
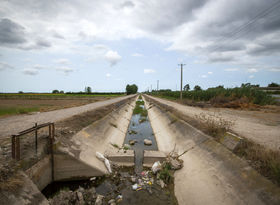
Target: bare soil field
23 106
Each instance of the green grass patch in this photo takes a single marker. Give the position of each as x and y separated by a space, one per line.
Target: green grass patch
165 174
17 110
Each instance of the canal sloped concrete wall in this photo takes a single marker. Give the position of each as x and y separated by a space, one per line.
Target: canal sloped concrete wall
98 137
212 174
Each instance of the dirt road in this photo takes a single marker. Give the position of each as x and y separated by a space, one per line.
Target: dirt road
262 127
14 124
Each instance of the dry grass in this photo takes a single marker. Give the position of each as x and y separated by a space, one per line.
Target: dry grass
9 177
264 160
214 124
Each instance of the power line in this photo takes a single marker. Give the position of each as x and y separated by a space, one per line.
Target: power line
246 25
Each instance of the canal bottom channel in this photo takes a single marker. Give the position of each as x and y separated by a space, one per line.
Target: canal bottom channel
140 130
119 185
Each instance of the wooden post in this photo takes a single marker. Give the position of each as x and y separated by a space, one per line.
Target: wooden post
13 146
17 147
36 138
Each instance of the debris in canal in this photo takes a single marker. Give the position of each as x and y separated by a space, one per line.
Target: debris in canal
126 185
156 167
105 160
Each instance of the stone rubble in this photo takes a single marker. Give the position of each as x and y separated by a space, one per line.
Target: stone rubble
146 181
148 142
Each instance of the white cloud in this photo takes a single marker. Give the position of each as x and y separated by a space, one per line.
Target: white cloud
210 72
252 70
251 76
113 57
137 55
65 70
204 76
274 69
100 47
108 75
62 61
4 66
39 67
146 71
30 71
231 69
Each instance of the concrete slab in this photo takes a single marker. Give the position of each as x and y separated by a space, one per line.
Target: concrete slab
152 156
231 141
67 167
41 173
121 158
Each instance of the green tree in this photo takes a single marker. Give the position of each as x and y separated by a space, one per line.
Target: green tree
197 88
271 85
131 89
88 90
55 91
61 91
187 87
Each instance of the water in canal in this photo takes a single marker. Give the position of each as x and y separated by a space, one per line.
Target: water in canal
139 130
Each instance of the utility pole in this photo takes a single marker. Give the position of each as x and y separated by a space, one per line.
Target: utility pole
181 95
151 88
157 84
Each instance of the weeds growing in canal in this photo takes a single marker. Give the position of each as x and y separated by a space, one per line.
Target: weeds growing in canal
165 174
115 145
139 108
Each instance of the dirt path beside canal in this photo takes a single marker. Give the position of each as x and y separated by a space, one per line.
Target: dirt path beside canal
262 126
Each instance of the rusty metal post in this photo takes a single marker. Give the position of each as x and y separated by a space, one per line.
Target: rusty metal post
13 146
36 138
51 137
17 147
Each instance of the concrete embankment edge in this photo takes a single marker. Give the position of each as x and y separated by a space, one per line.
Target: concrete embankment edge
212 174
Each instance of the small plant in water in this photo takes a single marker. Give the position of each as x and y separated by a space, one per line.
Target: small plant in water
165 173
115 145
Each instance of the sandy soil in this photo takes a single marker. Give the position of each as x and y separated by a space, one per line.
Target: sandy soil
14 124
261 126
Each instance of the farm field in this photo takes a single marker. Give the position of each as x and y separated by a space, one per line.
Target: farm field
221 97
12 104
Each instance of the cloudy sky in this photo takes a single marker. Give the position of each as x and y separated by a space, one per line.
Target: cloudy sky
70 44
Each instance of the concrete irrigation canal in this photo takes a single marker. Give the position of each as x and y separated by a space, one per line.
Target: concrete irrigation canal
138 152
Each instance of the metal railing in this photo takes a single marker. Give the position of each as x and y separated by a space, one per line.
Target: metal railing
16 141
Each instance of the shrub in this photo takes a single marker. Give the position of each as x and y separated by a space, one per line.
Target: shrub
214 124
